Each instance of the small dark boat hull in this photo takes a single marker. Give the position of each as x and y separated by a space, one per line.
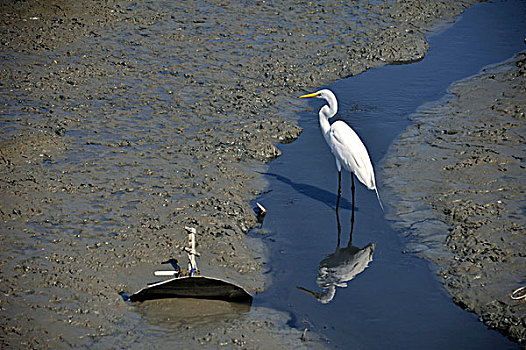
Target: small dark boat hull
199 287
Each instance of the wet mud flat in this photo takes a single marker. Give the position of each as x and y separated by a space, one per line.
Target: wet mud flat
122 123
457 182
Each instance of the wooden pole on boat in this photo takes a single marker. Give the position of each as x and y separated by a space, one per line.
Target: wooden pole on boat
192 253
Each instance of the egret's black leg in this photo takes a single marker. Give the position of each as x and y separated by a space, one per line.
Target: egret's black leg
352 215
339 189
339 226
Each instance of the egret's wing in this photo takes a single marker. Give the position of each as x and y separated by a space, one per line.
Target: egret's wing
350 151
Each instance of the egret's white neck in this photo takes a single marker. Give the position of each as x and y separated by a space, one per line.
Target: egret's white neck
326 112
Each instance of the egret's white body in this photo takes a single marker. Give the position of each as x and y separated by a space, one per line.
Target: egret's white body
346 146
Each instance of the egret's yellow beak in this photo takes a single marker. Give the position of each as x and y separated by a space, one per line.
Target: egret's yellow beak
315 94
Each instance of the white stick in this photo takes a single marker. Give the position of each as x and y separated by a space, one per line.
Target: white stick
262 208
165 273
192 252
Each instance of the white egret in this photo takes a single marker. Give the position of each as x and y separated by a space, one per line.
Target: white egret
346 146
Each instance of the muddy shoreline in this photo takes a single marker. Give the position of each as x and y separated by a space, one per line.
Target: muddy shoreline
124 122
459 199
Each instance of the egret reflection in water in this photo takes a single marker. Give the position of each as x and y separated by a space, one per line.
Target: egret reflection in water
340 267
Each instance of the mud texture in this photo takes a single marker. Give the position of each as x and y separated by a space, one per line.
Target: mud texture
464 156
124 121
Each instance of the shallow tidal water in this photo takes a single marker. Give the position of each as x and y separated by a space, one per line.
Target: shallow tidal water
396 301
